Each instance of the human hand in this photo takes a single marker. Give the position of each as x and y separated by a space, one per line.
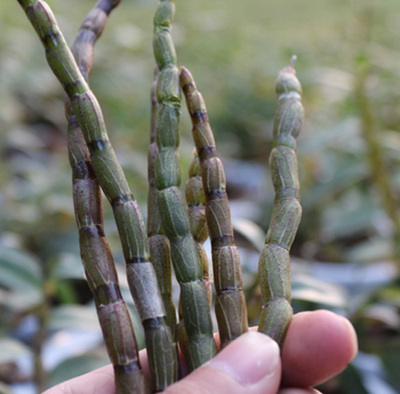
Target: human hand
318 346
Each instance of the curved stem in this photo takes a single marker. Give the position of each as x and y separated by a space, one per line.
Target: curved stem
274 263
95 252
230 304
131 227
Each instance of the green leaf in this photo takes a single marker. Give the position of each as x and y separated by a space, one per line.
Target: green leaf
74 317
305 288
353 212
391 361
351 381
11 350
20 271
77 366
21 300
69 266
249 234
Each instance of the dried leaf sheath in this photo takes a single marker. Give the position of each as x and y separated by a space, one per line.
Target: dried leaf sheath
274 263
230 304
131 227
175 223
95 253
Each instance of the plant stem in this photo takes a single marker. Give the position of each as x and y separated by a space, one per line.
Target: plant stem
230 304
160 248
131 227
96 255
378 168
175 222
196 201
274 263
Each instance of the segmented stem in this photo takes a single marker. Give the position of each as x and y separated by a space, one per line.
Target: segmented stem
132 230
96 255
175 222
196 201
160 248
274 263
230 304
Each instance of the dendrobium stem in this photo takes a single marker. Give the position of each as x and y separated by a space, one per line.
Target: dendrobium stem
230 304
274 263
129 219
196 201
96 255
160 248
175 223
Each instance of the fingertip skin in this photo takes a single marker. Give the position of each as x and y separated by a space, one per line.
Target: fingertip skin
318 346
250 364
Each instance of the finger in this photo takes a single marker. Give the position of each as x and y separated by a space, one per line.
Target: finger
100 381
318 346
250 364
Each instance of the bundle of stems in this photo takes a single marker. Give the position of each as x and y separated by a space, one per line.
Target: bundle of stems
174 218
176 229
95 252
129 219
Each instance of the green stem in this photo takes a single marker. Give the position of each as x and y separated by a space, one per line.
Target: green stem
160 248
42 315
175 222
95 252
378 168
230 304
274 263
196 201
131 227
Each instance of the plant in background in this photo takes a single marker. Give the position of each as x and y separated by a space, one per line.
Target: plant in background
325 205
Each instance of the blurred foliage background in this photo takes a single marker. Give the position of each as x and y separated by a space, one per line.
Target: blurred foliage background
347 252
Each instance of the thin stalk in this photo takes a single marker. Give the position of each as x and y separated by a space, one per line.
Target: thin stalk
376 161
274 263
96 255
230 304
160 248
42 316
129 219
175 222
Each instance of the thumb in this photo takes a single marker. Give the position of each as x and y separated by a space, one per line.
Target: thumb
250 364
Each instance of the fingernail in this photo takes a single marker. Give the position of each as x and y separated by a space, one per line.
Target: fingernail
249 359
